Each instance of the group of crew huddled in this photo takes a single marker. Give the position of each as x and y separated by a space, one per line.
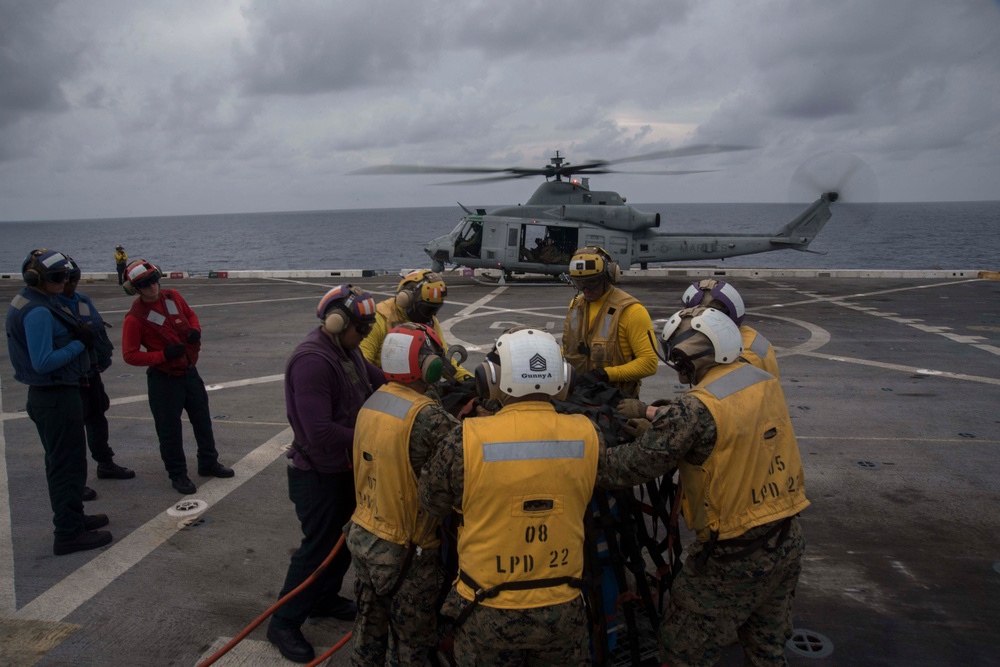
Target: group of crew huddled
377 459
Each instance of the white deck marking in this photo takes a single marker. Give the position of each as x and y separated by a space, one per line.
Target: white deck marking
901 368
8 596
63 598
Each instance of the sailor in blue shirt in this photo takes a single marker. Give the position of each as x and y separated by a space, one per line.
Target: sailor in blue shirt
50 348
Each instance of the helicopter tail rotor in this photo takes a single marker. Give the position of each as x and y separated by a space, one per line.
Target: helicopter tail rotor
837 177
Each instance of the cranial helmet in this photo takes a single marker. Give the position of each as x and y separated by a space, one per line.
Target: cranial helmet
412 352
140 274
420 294
74 272
44 265
593 262
694 339
344 305
717 294
524 361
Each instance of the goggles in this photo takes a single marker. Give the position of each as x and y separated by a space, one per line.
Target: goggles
57 277
590 283
148 281
362 327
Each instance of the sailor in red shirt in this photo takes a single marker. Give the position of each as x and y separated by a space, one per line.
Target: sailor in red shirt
162 322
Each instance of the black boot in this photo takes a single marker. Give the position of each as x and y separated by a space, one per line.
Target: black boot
89 494
95 521
291 643
82 541
184 484
216 470
111 470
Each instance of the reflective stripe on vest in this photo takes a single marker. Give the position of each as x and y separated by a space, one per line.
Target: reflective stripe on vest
740 379
760 346
533 450
394 406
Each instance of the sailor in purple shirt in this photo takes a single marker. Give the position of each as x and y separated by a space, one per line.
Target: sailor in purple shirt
327 380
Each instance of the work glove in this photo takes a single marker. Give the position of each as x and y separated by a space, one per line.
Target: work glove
85 335
173 351
636 427
193 335
596 376
632 408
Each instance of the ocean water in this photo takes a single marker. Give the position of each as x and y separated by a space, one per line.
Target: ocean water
937 235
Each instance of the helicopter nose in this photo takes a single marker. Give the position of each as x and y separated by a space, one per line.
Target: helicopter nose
437 250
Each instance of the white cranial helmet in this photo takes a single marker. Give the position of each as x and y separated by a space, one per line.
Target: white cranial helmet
720 337
531 362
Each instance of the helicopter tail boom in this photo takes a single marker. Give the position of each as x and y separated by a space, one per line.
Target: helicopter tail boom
800 232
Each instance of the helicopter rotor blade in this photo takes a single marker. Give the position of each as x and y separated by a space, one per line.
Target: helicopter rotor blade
551 170
686 151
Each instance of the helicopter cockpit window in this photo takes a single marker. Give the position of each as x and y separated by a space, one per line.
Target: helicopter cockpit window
470 239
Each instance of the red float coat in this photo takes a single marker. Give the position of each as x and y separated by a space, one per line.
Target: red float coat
154 326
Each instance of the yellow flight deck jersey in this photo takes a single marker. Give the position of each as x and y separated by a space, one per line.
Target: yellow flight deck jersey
754 474
758 350
121 257
529 474
384 482
620 339
387 316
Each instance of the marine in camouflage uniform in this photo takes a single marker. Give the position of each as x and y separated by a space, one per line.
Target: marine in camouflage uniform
530 630
536 619
736 587
397 585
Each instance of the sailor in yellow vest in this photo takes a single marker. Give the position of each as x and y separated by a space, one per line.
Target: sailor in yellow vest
719 294
419 296
608 336
521 480
121 259
393 542
731 437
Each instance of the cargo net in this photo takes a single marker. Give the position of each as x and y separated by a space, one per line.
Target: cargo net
633 545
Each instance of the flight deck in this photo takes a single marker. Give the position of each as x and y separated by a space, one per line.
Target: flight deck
892 381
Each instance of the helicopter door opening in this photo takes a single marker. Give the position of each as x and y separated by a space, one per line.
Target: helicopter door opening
547 245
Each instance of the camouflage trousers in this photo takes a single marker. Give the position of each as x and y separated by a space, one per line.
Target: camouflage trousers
398 630
491 637
749 599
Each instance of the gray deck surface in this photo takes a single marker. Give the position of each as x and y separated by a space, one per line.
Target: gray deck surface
893 386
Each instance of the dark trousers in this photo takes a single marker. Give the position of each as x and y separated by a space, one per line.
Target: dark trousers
121 273
169 395
58 415
95 404
324 503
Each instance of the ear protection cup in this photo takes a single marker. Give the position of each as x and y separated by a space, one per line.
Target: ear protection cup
127 286
488 380
337 321
569 376
614 272
405 298
29 269
431 368
31 278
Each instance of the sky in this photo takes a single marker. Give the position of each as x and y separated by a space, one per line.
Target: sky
118 108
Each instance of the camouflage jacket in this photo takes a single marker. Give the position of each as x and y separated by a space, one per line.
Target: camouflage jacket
682 428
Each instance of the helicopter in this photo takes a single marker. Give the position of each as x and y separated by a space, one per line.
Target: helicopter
564 213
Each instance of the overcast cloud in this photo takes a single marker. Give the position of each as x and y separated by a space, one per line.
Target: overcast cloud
121 108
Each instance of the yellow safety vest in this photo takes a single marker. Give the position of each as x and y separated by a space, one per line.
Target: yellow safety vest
529 474
754 474
759 351
385 483
120 257
599 334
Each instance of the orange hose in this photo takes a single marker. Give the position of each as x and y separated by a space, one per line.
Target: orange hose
274 607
